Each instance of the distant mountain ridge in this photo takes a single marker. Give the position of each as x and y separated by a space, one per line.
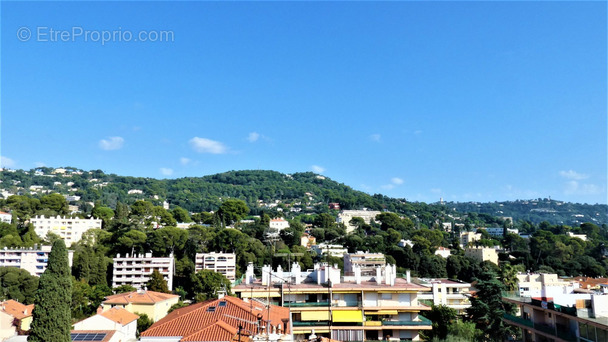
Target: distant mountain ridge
303 192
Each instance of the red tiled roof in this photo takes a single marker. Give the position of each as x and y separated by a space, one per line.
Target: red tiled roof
119 315
197 323
144 297
16 309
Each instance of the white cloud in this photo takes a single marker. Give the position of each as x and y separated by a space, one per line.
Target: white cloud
375 137
7 162
39 164
317 169
571 174
184 160
396 180
204 145
112 143
166 171
575 188
253 137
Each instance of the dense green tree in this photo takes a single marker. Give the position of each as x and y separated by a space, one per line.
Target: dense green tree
442 317
181 215
103 213
232 211
143 323
157 282
17 284
56 203
123 289
167 240
487 308
206 284
52 313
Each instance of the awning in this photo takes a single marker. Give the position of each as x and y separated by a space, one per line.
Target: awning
348 316
382 312
315 315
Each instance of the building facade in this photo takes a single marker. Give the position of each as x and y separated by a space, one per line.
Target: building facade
278 224
224 263
135 270
154 304
33 260
344 308
451 293
367 262
482 254
346 215
69 229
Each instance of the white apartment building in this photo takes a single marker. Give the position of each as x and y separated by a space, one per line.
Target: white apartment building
454 294
33 260
543 285
278 224
224 263
6 217
497 231
337 251
346 215
367 262
69 229
135 270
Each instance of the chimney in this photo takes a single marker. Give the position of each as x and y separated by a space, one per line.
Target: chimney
378 275
99 310
357 270
296 272
408 276
249 275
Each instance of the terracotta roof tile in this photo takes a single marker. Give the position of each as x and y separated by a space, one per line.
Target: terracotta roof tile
198 322
119 315
16 309
144 297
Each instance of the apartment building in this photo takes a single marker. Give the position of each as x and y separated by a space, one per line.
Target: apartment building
579 315
543 285
224 263
452 293
367 262
323 248
69 229
278 224
498 231
135 270
346 215
345 308
482 254
469 237
33 260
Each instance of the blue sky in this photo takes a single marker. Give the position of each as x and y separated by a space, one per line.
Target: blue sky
469 101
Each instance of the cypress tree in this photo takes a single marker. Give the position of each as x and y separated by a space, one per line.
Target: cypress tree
157 283
52 320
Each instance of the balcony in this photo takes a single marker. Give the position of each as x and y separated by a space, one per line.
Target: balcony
562 332
305 304
310 324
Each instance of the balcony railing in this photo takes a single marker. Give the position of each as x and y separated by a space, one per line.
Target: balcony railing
304 304
562 332
310 324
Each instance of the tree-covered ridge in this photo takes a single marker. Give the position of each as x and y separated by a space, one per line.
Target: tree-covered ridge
539 210
299 192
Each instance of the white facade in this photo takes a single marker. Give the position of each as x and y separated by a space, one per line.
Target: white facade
32 260
224 263
443 252
6 217
367 262
543 285
454 294
69 229
135 270
497 231
468 237
337 251
346 215
279 223
124 331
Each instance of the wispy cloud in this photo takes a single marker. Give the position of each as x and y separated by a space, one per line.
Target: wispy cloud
204 145
571 174
7 162
576 188
166 171
396 180
184 160
317 169
112 143
253 137
375 137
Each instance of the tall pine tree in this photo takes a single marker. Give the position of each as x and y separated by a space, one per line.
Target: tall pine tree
52 320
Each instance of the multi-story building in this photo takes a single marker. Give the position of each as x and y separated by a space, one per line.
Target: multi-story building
468 237
69 229
367 262
323 248
498 231
581 315
543 285
6 217
33 260
224 263
347 308
346 215
452 293
135 270
278 224
482 254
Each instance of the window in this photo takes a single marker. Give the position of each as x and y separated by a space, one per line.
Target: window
211 309
222 304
